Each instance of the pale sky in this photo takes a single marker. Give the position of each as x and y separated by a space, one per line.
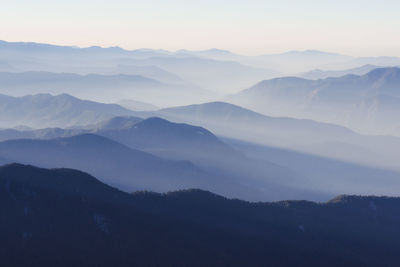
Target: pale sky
250 27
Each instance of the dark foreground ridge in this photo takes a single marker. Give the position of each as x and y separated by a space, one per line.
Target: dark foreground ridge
64 217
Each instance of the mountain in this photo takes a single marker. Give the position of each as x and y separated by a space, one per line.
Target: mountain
290 168
98 87
186 72
172 141
215 75
335 100
162 137
22 82
234 121
52 216
115 123
131 169
323 139
45 110
323 74
179 141
126 168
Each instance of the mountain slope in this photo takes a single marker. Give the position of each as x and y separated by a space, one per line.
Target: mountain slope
324 139
323 74
237 122
52 216
333 100
124 167
45 110
215 75
97 87
171 139
131 169
174 141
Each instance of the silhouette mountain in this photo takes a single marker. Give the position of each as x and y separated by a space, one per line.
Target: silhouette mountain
65 217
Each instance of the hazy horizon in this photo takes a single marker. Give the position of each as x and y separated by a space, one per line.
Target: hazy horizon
355 28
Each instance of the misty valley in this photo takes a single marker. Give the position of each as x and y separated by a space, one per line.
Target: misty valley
115 157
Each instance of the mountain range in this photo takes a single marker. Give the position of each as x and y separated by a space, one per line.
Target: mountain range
45 110
364 103
323 74
184 71
64 111
75 213
214 69
99 87
131 169
258 166
172 141
304 135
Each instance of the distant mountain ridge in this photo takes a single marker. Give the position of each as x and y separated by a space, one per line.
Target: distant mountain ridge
45 110
234 121
323 74
183 71
126 168
219 166
310 136
99 87
337 100
131 169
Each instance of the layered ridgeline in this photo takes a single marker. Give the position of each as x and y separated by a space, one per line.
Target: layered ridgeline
153 154
114 163
65 217
273 173
313 62
45 110
367 103
180 69
217 70
100 87
308 136
323 74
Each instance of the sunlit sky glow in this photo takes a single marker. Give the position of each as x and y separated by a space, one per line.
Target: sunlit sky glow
251 27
